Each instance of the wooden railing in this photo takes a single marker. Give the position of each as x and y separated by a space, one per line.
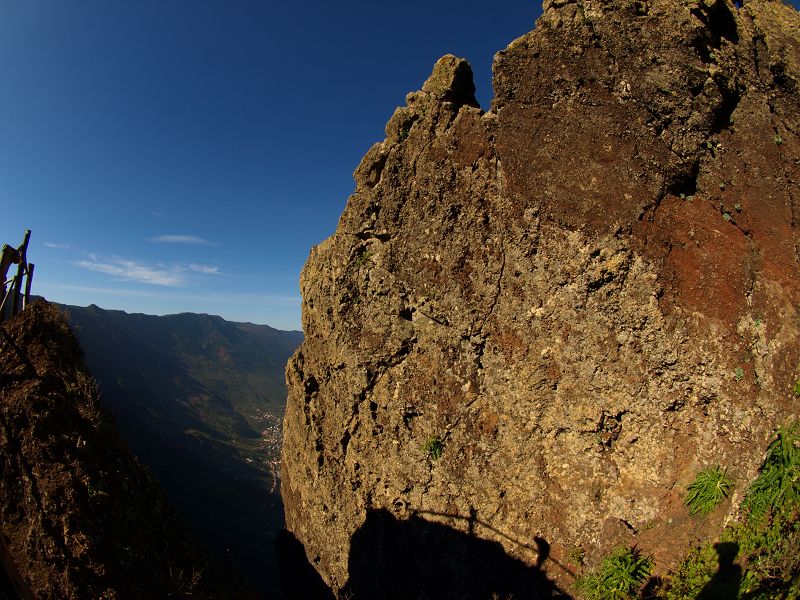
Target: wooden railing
12 294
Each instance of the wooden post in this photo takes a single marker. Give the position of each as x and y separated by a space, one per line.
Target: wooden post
17 285
14 291
3 304
6 260
28 280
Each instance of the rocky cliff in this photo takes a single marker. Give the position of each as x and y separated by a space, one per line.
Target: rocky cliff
535 325
79 516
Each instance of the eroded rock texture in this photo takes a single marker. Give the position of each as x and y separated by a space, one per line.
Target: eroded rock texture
587 294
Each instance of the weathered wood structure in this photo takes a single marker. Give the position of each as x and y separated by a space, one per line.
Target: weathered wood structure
14 299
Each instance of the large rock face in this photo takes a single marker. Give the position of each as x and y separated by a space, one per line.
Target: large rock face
580 298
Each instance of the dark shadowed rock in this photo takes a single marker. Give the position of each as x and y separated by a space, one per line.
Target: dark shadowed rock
199 400
298 578
81 518
415 558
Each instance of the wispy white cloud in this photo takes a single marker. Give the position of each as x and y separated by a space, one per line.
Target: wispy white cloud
223 299
57 246
131 270
121 292
157 214
193 240
205 269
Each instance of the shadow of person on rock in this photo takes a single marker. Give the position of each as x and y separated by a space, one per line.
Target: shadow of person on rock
726 581
415 558
542 551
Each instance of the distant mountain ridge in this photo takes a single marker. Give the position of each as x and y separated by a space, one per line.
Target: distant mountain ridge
200 400
79 516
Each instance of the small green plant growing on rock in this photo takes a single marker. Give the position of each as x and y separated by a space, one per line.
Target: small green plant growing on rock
738 373
577 556
618 577
709 488
770 535
433 447
692 575
362 259
765 537
778 485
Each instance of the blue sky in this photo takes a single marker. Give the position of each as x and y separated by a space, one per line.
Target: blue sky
184 155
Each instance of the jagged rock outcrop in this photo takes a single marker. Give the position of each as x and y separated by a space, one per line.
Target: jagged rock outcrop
79 516
578 299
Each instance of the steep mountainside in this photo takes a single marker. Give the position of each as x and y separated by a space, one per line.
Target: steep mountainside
199 400
80 517
535 325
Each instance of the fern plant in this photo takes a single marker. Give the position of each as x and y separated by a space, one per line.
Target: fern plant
767 534
618 577
710 487
778 485
692 575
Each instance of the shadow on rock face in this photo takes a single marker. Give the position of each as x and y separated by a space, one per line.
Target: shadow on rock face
299 580
414 558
